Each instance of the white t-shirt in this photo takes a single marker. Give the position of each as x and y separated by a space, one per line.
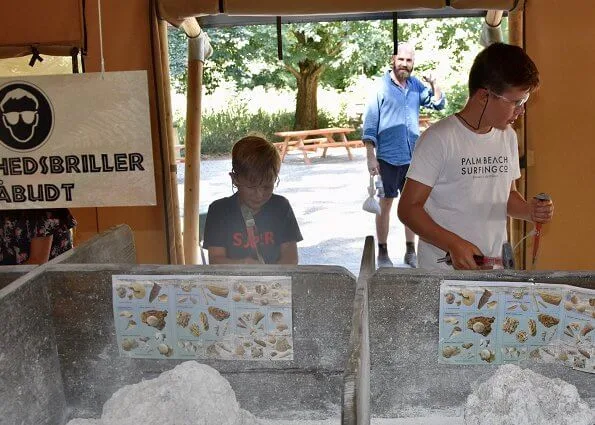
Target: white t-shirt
470 175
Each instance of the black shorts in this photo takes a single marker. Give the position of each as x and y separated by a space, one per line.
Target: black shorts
393 178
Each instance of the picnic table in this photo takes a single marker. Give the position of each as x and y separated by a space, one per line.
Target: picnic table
312 140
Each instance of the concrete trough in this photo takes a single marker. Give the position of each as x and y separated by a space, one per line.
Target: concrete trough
113 246
406 379
364 351
9 274
60 357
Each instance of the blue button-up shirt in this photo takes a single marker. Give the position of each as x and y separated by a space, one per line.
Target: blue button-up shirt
391 119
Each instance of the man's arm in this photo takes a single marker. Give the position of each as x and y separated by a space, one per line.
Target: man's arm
436 101
412 213
373 166
39 250
534 210
370 133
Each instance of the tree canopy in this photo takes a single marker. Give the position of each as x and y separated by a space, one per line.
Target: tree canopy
332 54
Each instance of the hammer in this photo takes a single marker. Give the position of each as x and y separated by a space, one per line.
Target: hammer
507 259
537 236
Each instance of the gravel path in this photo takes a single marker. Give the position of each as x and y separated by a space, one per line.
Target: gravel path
327 199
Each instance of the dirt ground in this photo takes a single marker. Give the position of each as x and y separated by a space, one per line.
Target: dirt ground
327 199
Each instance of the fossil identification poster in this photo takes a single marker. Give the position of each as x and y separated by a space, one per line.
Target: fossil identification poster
513 322
203 317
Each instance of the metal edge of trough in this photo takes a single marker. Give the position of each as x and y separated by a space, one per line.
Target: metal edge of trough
356 380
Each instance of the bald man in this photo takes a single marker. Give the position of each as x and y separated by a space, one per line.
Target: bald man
391 128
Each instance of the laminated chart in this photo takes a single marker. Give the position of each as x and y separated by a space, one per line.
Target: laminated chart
485 322
203 317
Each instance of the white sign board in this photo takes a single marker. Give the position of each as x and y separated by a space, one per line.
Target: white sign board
75 140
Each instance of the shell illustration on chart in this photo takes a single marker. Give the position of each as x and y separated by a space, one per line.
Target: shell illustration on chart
278 318
251 321
165 350
129 344
532 327
547 320
510 324
485 297
138 290
154 318
487 355
575 302
481 324
204 321
218 313
468 297
154 292
182 318
135 290
218 290
450 351
550 297
261 294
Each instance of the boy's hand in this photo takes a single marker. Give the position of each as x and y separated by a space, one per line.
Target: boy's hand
250 260
461 255
541 211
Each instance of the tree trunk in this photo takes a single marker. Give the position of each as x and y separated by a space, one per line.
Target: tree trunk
306 108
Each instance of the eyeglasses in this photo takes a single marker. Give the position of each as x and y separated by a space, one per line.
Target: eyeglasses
264 187
27 116
517 103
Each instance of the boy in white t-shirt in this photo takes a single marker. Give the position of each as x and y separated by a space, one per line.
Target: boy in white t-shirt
461 182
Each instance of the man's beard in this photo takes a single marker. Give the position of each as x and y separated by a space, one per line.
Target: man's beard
402 73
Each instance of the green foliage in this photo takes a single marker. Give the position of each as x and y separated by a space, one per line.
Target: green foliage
457 97
221 129
248 55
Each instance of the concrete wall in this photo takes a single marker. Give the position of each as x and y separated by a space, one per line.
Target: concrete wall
31 390
406 378
80 306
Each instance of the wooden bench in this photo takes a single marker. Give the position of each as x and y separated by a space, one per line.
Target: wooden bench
293 144
306 141
316 146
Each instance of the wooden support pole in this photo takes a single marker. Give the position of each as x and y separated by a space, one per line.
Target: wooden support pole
161 72
171 141
197 50
517 228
